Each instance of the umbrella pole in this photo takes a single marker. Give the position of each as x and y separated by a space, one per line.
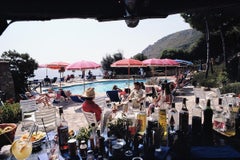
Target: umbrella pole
84 82
128 76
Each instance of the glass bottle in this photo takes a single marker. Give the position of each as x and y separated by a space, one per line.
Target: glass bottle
163 121
142 119
196 118
219 117
183 118
237 122
173 118
92 137
90 155
207 124
83 149
62 129
230 121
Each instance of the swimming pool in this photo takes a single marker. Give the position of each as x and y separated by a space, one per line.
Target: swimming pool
101 87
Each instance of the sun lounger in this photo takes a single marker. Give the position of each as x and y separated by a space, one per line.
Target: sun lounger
113 95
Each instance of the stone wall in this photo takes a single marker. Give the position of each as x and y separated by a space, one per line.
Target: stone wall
6 80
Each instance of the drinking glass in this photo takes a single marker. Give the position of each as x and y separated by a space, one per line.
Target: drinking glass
21 149
52 150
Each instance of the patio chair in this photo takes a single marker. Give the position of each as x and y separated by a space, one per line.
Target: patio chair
46 116
28 108
90 117
77 99
113 95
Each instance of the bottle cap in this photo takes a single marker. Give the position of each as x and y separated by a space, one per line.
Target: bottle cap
173 105
208 102
184 100
197 100
220 101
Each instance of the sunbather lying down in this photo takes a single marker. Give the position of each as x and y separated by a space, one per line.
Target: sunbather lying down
40 98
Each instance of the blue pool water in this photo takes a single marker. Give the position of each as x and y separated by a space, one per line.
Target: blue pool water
101 87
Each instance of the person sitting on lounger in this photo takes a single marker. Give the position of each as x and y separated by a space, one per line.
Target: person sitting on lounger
137 95
39 98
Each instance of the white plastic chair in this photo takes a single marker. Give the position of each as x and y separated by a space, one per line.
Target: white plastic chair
90 117
28 108
48 116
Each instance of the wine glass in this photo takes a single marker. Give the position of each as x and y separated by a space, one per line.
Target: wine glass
21 149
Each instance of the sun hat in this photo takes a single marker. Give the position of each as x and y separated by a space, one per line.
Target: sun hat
89 93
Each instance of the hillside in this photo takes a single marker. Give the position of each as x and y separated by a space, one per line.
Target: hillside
179 40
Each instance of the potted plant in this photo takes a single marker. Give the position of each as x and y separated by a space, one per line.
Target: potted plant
83 134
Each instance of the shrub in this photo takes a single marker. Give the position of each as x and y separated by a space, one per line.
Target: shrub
199 78
231 88
10 113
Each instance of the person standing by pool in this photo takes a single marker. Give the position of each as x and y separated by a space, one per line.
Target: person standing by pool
137 95
89 105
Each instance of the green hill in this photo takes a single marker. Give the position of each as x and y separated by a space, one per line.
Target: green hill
180 40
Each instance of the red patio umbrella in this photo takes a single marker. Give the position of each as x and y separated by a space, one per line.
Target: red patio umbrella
128 63
83 65
160 62
59 66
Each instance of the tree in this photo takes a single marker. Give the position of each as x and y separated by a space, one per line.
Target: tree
22 67
200 21
140 57
175 54
106 62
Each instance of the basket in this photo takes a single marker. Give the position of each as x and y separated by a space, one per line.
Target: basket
7 137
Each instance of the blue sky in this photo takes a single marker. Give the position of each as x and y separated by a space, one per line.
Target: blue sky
71 40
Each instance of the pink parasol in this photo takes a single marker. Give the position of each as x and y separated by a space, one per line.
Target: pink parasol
128 63
83 65
160 62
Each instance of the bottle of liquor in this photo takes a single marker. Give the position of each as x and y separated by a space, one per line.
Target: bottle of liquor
83 150
237 122
219 117
142 119
62 129
183 118
173 118
92 137
207 124
196 118
172 124
163 122
230 121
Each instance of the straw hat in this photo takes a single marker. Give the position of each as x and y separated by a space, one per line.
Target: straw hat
89 93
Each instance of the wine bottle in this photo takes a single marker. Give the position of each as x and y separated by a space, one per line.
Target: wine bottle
207 124
62 129
184 118
196 118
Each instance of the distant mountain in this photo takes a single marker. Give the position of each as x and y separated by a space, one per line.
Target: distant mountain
180 40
